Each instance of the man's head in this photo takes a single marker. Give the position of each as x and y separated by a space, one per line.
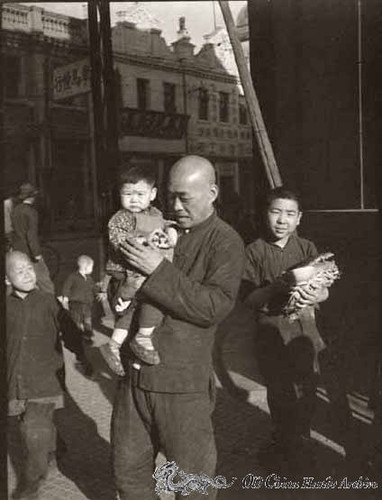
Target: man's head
85 264
192 190
20 273
283 213
27 193
137 188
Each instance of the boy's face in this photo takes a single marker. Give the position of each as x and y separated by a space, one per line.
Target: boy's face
21 274
137 197
283 216
86 267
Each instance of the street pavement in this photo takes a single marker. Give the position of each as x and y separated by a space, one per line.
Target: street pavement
242 427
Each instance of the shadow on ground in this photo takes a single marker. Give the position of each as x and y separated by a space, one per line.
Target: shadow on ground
238 443
242 430
79 432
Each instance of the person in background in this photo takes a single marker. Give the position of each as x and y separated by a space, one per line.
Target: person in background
35 368
8 204
78 294
25 234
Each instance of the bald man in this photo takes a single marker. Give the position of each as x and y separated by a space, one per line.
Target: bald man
168 407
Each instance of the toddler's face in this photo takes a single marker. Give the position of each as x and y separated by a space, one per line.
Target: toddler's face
86 267
283 216
137 197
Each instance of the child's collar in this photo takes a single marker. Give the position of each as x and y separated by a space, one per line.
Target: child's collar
22 295
275 243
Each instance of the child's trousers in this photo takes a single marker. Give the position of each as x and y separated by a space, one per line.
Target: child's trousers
81 315
39 439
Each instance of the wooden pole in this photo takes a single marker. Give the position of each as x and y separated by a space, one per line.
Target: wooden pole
255 114
3 326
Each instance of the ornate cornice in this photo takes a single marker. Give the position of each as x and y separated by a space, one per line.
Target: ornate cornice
168 65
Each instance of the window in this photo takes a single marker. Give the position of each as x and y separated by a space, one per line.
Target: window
243 117
143 87
203 104
223 106
12 76
169 93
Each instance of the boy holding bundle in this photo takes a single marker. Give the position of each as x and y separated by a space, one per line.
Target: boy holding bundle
287 338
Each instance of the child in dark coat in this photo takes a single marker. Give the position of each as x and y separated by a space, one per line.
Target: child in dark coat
35 366
78 294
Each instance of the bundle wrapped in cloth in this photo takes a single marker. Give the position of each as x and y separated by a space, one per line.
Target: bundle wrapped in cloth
320 272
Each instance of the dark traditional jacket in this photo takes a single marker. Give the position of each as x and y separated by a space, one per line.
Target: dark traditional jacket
195 293
25 230
265 262
79 289
34 353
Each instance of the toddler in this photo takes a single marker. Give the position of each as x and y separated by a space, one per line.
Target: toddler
78 295
136 219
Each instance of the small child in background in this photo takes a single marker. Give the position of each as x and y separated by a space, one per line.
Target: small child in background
136 219
78 294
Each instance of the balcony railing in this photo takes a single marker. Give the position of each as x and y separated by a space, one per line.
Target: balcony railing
154 124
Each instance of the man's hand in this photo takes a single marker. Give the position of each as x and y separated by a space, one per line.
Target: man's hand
144 258
309 296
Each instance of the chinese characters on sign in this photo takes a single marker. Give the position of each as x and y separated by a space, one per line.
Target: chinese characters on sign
157 124
71 80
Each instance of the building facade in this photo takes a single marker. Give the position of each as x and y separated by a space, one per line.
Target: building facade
172 101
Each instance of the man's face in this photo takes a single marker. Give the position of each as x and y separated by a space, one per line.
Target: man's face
283 216
191 199
137 197
21 275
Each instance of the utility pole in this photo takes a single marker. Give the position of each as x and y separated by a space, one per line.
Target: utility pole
3 334
104 99
265 147
185 104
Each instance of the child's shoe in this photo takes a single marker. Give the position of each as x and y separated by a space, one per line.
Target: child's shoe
112 356
149 356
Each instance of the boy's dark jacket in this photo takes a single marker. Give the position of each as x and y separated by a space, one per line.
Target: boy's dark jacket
34 353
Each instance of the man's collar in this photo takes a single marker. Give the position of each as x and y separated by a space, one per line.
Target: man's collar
200 226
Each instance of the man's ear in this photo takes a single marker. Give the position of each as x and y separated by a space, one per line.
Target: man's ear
7 282
214 190
154 192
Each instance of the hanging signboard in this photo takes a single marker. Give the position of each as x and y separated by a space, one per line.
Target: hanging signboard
71 80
